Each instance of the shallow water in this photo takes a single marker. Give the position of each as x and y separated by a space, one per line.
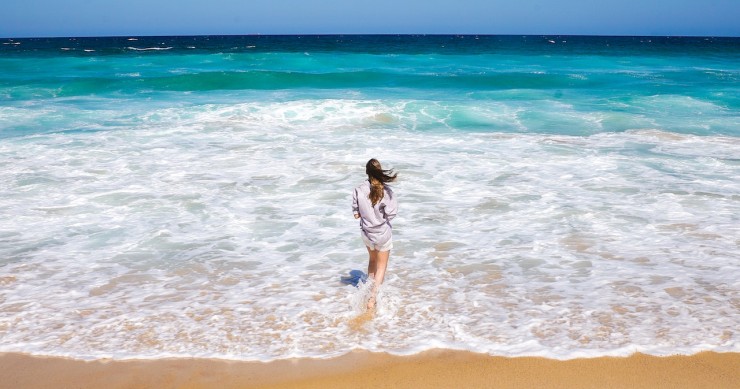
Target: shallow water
563 204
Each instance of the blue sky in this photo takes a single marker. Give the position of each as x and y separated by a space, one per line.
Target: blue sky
33 18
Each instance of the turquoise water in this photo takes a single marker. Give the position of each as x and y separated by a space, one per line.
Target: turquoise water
683 85
560 196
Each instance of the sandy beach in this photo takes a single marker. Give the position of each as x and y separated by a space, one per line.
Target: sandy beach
432 369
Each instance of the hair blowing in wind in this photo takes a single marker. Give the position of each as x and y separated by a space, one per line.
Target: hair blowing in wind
378 177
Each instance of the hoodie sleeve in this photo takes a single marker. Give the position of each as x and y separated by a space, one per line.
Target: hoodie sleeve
390 208
355 206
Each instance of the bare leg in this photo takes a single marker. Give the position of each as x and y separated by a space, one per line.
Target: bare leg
372 262
379 266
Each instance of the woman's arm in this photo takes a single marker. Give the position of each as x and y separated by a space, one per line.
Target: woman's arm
390 205
355 206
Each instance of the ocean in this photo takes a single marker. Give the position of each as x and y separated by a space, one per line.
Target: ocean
560 196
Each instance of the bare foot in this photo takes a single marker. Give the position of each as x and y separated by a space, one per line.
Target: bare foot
371 303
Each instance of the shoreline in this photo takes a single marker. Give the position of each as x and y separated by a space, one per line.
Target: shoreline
439 368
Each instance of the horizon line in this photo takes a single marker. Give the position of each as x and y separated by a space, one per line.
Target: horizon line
371 34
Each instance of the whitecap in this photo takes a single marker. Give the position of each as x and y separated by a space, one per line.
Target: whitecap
148 48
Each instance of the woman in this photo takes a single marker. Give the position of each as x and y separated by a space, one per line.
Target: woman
375 205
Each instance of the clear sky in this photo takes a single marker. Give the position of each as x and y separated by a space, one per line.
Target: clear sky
35 18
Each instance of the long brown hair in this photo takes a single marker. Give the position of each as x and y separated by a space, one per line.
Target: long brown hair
378 177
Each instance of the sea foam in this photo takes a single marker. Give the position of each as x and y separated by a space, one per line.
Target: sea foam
222 231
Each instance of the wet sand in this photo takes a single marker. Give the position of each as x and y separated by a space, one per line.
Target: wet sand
432 369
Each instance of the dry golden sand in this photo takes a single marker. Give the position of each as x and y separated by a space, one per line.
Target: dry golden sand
432 369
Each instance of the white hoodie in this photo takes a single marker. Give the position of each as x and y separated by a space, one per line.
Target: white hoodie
375 222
